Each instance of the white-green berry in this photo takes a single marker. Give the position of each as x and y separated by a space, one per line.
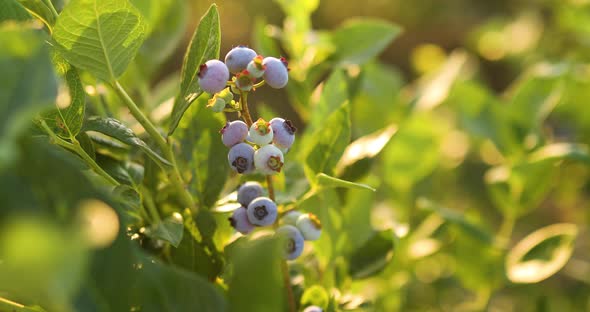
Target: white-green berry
291 217
310 226
260 132
269 160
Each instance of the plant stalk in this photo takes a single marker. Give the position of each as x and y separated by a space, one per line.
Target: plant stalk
271 195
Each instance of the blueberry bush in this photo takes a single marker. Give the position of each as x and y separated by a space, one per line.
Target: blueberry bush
300 173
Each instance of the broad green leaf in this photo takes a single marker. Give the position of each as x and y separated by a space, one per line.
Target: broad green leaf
199 138
204 45
326 181
195 257
100 36
414 151
367 146
457 219
11 10
41 9
27 84
359 40
329 142
67 118
114 128
373 256
334 93
541 254
256 260
170 229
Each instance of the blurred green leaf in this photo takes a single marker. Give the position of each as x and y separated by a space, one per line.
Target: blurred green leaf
541 254
257 260
114 128
373 256
328 142
315 295
11 10
359 40
28 83
326 181
561 151
41 9
100 36
170 229
204 45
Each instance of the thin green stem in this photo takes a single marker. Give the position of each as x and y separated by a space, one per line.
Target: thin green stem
258 85
174 173
76 148
151 206
505 231
9 305
245 109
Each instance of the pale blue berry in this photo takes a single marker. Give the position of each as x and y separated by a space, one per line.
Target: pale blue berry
284 133
292 239
262 211
313 309
260 132
234 132
269 160
248 191
241 158
310 227
255 67
213 76
237 59
239 221
291 217
276 73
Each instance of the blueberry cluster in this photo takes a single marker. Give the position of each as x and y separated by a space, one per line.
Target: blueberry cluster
257 210
256 147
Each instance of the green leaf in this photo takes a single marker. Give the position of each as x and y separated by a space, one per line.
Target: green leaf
326 181
457 219
27 84
66 120
561 151
11 10
204 45
170 229
334 93
199 138
329 142
114 128
257 260
41 9
315 295
100 36
359 40
373 256
367 146
541 254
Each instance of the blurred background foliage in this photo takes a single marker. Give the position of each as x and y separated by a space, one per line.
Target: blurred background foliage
469 118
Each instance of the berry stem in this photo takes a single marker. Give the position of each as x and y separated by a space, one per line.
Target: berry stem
245 110
173 173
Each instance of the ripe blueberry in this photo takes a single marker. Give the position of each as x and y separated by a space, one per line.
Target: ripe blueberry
213 76
237 59
233 133
269 160
292 239
276 73
248 191
239 221
262 211
241 158
284 133
255 67
261 132
310 226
